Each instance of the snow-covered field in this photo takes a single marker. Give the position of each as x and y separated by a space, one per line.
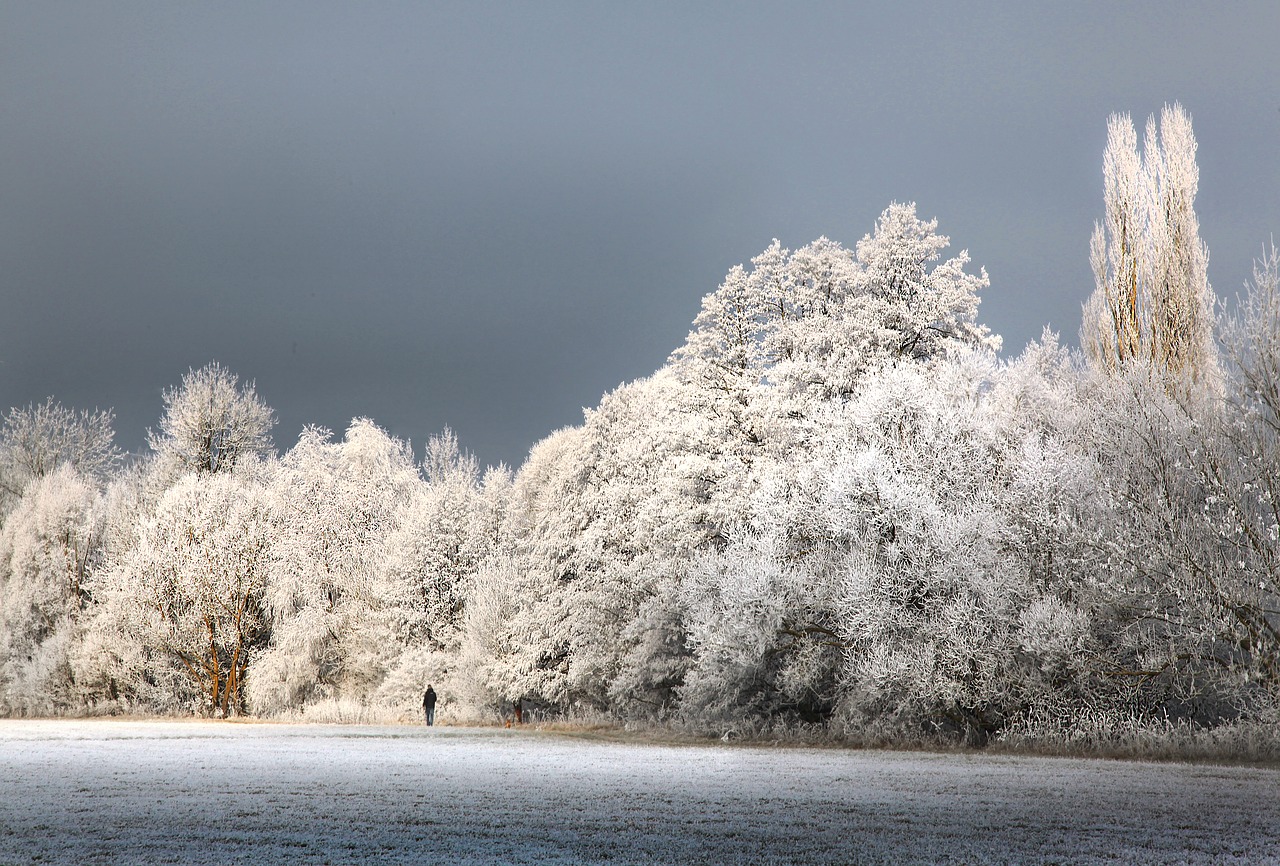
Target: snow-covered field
193 792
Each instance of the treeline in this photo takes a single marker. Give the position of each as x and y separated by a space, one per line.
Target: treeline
835 505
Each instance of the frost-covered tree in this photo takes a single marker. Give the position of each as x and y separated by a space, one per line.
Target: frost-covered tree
602 517
925 308
180 615
1159 549
545 516
337 616
1239 475
48 545
1152 302
452 526
899 600
448 530
817 319
493 663
36 440
1114 328
938 608
778 356
212 421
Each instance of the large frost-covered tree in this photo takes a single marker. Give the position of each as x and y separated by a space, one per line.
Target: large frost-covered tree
609 520
180 616
546 515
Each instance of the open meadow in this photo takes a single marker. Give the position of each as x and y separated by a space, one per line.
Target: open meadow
109 791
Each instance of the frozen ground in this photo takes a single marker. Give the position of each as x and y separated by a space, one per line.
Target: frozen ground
192 792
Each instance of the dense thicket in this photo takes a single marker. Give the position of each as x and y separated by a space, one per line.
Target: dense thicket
835 504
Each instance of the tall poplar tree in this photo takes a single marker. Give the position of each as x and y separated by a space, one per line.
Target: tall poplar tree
1152 302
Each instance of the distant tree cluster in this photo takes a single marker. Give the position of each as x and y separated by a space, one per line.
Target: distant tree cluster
834 505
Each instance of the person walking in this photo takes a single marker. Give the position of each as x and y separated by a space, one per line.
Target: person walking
429 705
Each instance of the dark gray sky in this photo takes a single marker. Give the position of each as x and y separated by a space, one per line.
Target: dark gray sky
485 215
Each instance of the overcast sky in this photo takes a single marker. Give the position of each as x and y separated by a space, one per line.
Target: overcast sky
485 215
